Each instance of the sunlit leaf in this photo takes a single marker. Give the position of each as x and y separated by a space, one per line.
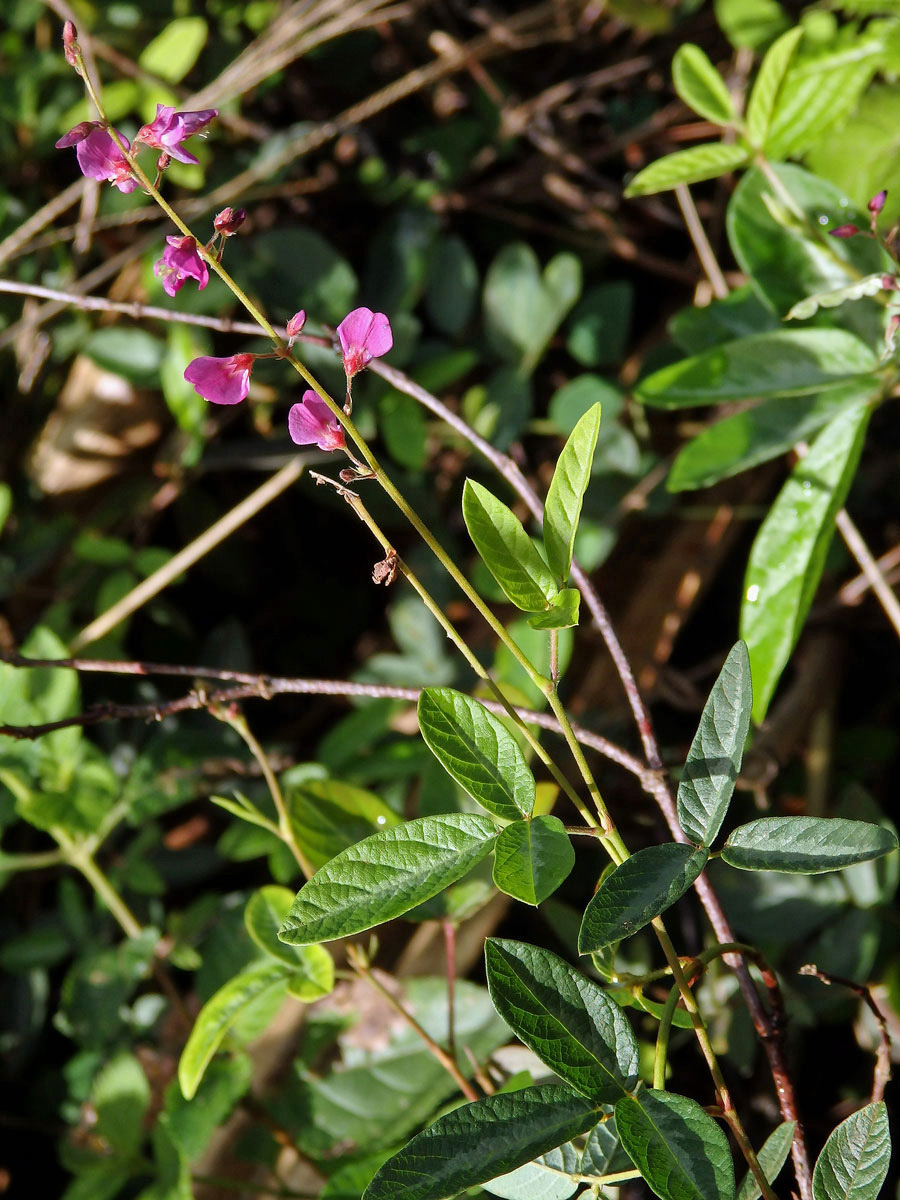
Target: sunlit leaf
566 493
532 858
688 166
700 85
854 1161
507 550
806 845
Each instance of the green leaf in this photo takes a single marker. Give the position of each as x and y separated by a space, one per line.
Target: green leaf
452 285
174 51
788 553
569 1022
562 613
688 166
386 875
402 424
523 307
132 353
678 1148
532 858
598 327
855 1159
636 891
751 23
549 1177
313 976
192 1123
220 1012
312 967
507 550
120 1094
700 85
327 816
765 364
763 102
760 434
714 760
805 845
772 1158
566 493
479 1141
477 749
869 285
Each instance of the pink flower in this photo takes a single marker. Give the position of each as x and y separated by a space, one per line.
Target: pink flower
98 155
221 380
169 129
312 421
364 335
294 325
180 262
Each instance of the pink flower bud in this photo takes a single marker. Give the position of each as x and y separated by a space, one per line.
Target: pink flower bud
311 422
876 204
70 45
229 221
294 325
363 335
844 231
221 380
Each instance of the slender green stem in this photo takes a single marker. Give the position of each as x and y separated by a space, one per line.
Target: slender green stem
662 1039
78 857
30 862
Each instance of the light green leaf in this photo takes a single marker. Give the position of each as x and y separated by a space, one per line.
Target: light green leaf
566 493
523 306
636 891
507 550
806 845
477 749
789 550
479 1141
688 166
569 1022
174 51
714 759
562 613
220 1012
532 858
759 434
313 977
312 967
751 23
120 1095
678 1148
869 285
700 85
782 363
386 875
855 1159
772 1158
763 101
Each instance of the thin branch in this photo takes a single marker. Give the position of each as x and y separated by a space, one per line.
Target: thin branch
883 1053
857 546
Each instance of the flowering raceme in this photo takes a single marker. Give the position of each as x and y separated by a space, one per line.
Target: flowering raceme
180 262
98 155
221 380
312 422
169 129
364 335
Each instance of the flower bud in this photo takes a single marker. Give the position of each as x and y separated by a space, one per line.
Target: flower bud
876 204
70 45
294 325
844 231
229 221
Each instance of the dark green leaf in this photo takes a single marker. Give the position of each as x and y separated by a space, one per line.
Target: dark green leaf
855 1159
788 553
566 493
401 422
714 760
566 1019
763 103
121 1096
562 613
478 750
452 285
688 166
192 1123
386 875
766 364
480 1141
678 1148
772 1158
327 816
700 85
638 890
532 858
805 845
523 306
507 550
598 327
132 353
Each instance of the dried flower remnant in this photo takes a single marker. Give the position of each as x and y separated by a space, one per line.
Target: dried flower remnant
169 129
363 335
311 422
99 157
221 380
181 261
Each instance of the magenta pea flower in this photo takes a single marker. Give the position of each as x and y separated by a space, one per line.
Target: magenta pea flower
98 155
169 129
180 262
221 380
364 335
312 422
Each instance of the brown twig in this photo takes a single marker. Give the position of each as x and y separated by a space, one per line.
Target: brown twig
883 1053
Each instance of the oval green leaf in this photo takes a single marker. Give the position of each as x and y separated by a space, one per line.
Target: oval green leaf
806 845
782 363
639 889
763 103
562 613
566 1019
566 493
788 553
714 760
328 815
855 1159
532 858
478 751
219 1013
680 1151
700 85
772 1157
688 166
507 550
173 52
386 875
264 915
479 1141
